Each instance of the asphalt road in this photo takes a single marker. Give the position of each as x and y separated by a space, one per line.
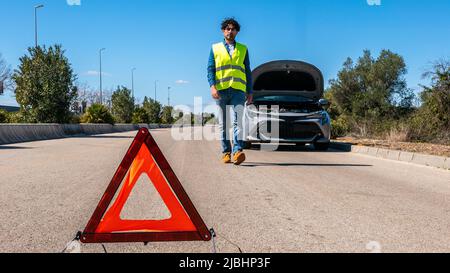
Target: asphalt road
293 200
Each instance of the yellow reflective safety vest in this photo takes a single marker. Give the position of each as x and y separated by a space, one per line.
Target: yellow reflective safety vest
230 71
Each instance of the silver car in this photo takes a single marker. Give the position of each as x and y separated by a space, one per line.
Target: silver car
288 106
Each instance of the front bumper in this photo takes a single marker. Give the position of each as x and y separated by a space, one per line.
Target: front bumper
287 127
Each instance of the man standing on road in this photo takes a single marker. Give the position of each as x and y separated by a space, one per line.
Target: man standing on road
230 79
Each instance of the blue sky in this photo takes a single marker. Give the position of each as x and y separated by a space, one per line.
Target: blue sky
169 40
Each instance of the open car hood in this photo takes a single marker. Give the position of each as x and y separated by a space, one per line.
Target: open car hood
281 78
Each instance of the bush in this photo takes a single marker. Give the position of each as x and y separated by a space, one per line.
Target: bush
17 117
76 119
399 133
431 122
14 117
140 116
4 116
424 128
97 113
339 127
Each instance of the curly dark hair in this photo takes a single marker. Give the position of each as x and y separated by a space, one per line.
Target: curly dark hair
231 21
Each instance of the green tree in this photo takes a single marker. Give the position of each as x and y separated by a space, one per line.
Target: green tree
372 92
45 87
432 120
153 109
5 75
166 115
97 113
140 116
122 105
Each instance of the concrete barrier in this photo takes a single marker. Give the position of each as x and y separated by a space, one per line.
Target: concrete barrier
16 133
72 129
142 126
97 129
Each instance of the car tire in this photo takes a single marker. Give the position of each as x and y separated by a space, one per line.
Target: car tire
321 146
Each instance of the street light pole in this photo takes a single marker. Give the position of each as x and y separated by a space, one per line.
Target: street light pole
101 79
155 90
132 84
36 24
168 98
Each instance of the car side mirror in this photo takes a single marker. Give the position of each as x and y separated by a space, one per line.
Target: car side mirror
324 103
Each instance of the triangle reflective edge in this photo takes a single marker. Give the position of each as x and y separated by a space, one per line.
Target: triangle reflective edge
90 234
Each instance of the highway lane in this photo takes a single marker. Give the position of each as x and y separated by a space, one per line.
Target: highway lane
292 200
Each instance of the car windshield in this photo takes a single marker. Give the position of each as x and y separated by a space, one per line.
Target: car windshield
298 99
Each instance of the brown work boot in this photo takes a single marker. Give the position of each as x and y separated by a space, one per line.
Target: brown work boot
239 158
226 158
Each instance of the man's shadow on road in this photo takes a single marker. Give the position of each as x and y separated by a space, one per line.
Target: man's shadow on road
291 148
265 164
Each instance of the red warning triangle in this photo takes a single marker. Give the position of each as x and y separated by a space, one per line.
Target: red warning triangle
145 158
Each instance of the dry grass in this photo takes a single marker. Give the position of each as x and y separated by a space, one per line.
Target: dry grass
399 134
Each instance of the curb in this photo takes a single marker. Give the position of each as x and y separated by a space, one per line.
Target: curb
408 157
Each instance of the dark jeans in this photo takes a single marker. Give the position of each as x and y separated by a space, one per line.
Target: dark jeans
235 100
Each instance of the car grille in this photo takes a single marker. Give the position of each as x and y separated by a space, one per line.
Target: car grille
292 130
